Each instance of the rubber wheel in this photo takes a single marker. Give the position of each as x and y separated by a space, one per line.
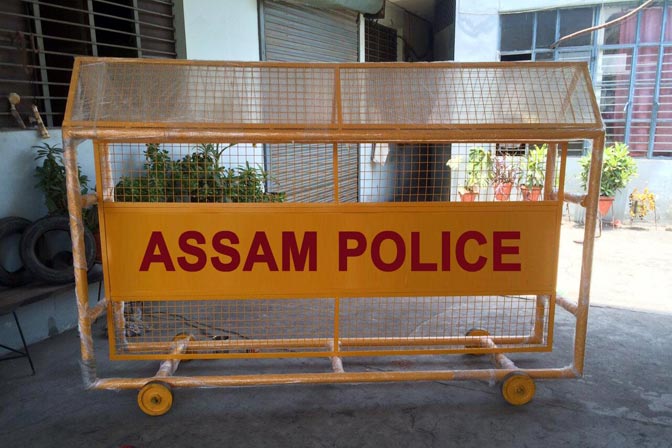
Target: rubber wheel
518 388
13 225
155 398
476 332
59 272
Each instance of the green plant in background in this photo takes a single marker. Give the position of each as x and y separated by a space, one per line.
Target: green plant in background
478 169
51 180
197 177
618 167
535 167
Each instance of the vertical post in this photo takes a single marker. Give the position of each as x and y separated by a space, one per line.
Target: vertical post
79 260
592 199
92 28
534 36
656 90
549 179
44 75
136 17
633 79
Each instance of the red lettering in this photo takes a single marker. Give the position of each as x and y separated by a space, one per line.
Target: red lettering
416 264
375 251
498 250
445 251
460 251
260 241
156 241
344 251
195 251
228 251
291 251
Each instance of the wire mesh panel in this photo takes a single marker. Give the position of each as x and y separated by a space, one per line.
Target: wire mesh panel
310 327
332 95
228 174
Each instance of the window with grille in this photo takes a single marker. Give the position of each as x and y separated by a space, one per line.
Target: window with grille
40 38
380 43
631 65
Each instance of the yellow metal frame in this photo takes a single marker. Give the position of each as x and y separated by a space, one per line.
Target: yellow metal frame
103 133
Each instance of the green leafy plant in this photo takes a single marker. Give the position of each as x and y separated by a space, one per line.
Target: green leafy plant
478 169
197 177
618 167
52 181
535 167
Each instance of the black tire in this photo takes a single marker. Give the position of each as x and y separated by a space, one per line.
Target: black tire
11 226
59 272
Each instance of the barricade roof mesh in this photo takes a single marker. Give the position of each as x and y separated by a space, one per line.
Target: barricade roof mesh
129 93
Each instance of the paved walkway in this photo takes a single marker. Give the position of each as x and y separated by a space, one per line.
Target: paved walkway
631 267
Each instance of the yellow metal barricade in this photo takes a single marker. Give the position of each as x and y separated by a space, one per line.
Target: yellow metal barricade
264 210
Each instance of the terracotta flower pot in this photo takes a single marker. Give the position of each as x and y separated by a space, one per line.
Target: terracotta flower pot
532 194
468 196
503 191
605 205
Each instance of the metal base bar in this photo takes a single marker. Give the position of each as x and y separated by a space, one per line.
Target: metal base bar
325 378
21 354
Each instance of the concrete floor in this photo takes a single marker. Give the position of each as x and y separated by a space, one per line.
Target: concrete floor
624 400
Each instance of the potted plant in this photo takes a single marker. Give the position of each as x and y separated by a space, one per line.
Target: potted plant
504 175
535 173
196 177
618 167
478 172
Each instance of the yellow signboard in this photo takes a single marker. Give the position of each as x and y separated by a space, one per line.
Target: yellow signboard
165 252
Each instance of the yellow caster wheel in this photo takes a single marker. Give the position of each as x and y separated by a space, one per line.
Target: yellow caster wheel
476 332
155 398
518 388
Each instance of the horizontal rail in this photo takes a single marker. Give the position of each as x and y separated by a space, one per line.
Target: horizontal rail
234 344
325 378
95 312
576 199
308 135
567 304
88 200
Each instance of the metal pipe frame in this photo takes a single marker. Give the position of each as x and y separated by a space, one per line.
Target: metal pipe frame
179 349
486 344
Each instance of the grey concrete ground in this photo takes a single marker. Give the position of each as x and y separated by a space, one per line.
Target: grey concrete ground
624 400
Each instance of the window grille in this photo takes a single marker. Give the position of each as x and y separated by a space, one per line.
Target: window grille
40 38
630 64
381 43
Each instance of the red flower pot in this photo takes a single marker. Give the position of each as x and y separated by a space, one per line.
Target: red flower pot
503 191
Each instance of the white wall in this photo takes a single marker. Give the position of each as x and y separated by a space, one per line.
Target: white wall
225 30
656 175
20 198
477 31
17 171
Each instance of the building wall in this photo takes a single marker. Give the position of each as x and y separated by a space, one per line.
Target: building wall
20 198
477 39
225 30
207 29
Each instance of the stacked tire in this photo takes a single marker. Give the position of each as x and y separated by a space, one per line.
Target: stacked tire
38 263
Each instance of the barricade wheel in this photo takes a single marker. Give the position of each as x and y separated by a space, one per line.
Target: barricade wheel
476 332
518 388
155 398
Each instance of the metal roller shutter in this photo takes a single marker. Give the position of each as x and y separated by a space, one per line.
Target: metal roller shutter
293 33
